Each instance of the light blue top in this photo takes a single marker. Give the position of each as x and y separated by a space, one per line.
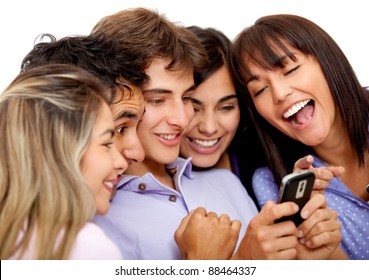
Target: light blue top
144 214
353 212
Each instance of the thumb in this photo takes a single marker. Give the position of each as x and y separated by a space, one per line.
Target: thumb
303 163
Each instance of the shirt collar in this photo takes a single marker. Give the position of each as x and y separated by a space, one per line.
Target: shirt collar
182 166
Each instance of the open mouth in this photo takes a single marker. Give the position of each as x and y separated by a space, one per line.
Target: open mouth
109 186
300 113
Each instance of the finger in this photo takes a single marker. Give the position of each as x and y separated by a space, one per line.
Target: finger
324 238
200 210
212 215
317 201
236 226
225 219
198 213
321 221
322 177
320 185
337 170
272 211
323 173
303 163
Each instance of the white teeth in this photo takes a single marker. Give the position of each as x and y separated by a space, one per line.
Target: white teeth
295 108
168 136
110 185
205 143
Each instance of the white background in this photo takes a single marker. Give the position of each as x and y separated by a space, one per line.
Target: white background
22 20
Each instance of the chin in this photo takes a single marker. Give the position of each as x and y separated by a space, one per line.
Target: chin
203 164
102 210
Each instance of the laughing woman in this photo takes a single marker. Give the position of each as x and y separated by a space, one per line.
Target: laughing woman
305 99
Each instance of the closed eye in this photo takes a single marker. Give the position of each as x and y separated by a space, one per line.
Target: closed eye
227 108
108 144
292 70
260 91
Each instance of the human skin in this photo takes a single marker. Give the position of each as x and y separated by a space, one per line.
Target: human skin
102 163
168 111
127 112
296 100
216 119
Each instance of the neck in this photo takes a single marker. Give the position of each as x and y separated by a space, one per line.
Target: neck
341 153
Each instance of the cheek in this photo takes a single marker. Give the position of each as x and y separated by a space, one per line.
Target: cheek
264 107
193 123
88 168
190 112
234 121
119 141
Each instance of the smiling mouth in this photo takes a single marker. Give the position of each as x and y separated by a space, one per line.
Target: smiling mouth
109 185
168 136
204 143
300 113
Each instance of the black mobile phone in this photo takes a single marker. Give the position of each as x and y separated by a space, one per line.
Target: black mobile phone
296 187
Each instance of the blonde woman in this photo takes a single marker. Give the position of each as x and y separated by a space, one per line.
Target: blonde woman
58 166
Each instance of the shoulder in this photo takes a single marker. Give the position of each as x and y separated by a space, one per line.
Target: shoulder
92 243
264 186
263 173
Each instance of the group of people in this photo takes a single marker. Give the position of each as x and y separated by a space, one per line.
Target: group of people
147 139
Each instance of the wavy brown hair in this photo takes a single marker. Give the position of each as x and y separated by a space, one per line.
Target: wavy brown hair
144 35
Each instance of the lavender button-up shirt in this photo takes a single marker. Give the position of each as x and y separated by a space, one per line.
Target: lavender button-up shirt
144 214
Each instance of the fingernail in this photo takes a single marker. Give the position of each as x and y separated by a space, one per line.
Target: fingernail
309 159
305 214
301 234
302 240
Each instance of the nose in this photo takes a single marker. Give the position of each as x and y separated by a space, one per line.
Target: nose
208 124
134 150
119 162
180 114
280 90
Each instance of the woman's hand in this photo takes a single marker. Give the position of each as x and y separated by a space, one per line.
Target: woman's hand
322 174
320 233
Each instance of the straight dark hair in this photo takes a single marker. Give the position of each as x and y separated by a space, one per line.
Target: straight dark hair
260 44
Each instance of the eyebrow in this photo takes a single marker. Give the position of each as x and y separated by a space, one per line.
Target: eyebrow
108 131
252 78
278 63
162 90
126 114
221 100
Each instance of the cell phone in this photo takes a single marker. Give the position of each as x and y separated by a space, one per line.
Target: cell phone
296 187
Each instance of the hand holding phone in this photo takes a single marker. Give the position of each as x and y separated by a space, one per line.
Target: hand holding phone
296 187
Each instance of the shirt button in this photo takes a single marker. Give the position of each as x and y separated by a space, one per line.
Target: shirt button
172 198
142 187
